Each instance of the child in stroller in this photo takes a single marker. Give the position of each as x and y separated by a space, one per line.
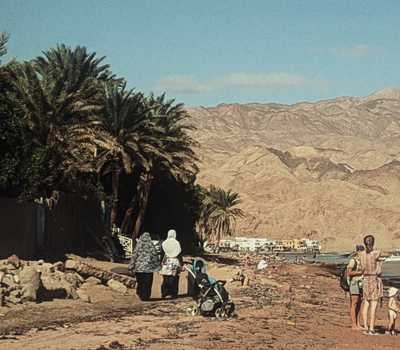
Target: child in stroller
210 295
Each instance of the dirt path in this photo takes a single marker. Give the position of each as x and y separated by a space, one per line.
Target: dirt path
293 307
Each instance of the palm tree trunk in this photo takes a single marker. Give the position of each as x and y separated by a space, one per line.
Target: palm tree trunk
114 206
142 199
128 217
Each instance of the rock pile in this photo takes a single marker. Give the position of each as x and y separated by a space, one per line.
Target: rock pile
31 281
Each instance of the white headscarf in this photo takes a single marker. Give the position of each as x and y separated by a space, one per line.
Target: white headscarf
171 247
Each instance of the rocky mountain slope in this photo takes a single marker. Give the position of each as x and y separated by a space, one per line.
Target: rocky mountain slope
329 170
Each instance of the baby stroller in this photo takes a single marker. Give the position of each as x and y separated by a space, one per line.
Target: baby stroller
210 295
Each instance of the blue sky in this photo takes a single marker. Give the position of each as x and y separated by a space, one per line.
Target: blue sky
209 52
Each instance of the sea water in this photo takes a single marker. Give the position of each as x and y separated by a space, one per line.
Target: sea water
390 270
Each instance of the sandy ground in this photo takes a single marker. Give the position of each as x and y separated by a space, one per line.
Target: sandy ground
290 307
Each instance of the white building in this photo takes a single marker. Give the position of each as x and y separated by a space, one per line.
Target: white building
247 244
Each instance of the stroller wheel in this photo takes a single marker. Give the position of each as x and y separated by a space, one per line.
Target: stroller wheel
193 311
220 313
229 309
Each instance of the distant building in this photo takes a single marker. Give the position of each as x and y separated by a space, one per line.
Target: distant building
268 245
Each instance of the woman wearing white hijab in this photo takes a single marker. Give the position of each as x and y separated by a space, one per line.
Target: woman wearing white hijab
171 265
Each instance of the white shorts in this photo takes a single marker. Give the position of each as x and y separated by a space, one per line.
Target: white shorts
392 314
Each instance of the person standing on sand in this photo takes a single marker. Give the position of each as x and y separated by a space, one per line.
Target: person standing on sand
171 265
143 264
372 284
355 279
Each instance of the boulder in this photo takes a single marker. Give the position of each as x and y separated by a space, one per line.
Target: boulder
28 293
75 279
83 295
1 297
8 280
56 285
14 261
2 274
70 264
45 267
117 286
16 279
58 266
93 281
14 297
29 275
30 282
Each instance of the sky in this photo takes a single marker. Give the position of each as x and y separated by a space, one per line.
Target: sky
207 52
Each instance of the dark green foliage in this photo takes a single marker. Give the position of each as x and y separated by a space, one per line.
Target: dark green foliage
68 124
22 164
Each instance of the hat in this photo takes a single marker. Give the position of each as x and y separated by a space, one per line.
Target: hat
171 247
392 291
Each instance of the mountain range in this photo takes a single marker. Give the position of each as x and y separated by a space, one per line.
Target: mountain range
327 170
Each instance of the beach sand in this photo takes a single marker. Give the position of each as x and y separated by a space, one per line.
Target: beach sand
288 307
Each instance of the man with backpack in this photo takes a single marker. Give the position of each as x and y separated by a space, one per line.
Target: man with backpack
354 276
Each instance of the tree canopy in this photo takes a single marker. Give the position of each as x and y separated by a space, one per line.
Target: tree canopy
67 123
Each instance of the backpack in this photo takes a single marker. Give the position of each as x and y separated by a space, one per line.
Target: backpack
344 283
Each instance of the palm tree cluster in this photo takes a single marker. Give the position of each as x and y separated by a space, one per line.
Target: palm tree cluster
83 124
67 123
218 214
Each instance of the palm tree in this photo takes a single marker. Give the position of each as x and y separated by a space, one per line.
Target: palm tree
118 136
219 213
3 43
77 65
171 154
53 100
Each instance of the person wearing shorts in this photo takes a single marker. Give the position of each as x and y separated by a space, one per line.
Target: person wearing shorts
354 275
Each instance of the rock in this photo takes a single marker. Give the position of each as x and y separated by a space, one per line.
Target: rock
83 295
2 274
59 266
13 260
14 297
28 293
70 264
93 281
74 279
40 262
8 280
45 267
1 297
29 275
117 286
30 281
56 285
16 279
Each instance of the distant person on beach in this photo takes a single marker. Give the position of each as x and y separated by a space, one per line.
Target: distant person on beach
143 264
171 265
394 309
355 280
372 283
